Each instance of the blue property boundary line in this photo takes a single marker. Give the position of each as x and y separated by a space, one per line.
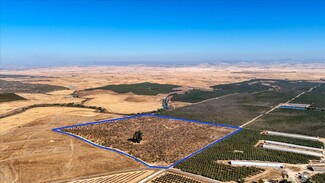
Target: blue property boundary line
59 130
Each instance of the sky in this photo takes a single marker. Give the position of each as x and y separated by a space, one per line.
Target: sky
60 32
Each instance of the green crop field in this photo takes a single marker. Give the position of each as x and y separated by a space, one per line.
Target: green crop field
292 121
318 178
241 147
199 95
220 90
8 97
316 97
243 87
139 88
228 110
234 109
251 86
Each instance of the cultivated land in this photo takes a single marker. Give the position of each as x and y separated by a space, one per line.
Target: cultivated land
173 178
241 146
319 178
165 140
315 97
139 88
251 99
228 110
293 121
33 153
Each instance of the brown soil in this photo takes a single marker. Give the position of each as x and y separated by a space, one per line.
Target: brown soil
32 152
127 103
164 140
129 177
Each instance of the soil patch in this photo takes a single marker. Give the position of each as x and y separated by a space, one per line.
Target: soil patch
164 140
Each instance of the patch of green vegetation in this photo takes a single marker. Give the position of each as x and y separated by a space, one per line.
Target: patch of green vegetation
16 86
199 95
318 178
220 90
235 109
292 121
251 86
241 147
139 88
227 110
293 85
316 97
243 87
8 97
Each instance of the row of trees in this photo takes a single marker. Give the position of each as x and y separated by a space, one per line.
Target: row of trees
239 147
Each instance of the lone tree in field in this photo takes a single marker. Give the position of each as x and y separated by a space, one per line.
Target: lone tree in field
137 137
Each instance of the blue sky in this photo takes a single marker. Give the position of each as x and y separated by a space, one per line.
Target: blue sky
56 32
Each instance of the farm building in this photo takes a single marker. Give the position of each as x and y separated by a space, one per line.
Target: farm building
293 150
255 163
293 146
291 135
295 105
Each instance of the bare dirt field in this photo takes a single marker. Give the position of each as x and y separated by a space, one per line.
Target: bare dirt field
129 177
38 98
127 103
164 140
32 152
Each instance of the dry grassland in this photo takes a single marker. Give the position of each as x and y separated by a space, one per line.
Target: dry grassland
34 153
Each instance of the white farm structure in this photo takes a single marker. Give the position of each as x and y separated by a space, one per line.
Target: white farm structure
256 163
292 135
293 150
293 146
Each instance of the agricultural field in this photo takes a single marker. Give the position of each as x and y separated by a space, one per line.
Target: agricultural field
285 87
129 177
318 178
17 86
173 178
316 97
8 97
234 109
164 140
145 88
304 122
241 147
199 95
